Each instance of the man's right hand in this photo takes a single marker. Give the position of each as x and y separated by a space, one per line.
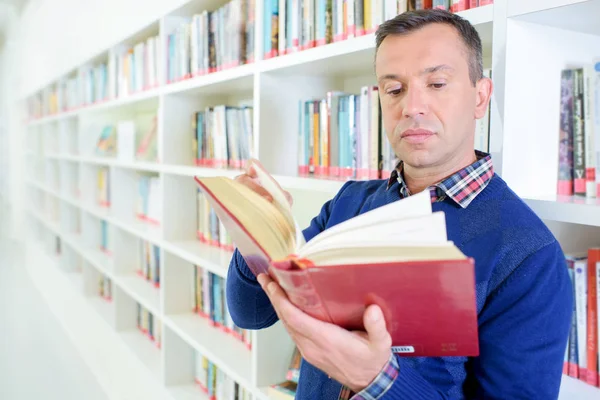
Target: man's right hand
250 179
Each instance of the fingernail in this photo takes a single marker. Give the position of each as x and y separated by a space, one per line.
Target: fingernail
260 278
375 314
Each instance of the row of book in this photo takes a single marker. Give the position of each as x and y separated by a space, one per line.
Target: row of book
149 325
579 131
148 205
296 25
209 301
130 141
210 230
212 41
215 383
105 288
105 243
342 136
222 136
149 262
127 70
581 356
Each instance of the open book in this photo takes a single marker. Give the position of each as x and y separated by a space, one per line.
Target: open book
397 256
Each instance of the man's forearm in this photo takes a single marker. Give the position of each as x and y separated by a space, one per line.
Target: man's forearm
248 304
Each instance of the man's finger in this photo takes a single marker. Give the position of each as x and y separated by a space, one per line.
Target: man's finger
375 327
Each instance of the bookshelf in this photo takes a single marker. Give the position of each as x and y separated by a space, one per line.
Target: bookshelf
62 166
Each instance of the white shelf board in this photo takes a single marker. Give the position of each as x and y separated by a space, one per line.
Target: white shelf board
571 388
144 349
146 231
211 258
226 352
574 15
187 392
118 371
572 209
99 260
199 171
53 118
237 78
346 56
142 96
142 291
322 185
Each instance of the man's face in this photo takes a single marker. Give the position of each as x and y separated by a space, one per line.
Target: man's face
428 102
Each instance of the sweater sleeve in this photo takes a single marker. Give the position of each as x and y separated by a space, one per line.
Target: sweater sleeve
248 304
523 333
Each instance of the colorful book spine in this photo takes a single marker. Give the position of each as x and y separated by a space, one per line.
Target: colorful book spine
209 301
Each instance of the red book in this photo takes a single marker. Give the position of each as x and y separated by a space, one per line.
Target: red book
396 256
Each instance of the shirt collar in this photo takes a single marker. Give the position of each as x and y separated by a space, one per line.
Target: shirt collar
462 186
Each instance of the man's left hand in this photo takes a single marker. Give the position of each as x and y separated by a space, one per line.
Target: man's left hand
352 358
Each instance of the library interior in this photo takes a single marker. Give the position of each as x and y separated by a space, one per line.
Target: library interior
157 156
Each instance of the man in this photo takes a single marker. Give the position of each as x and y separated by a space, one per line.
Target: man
429 72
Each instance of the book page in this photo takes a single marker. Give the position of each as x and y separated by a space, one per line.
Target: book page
413 206
386 254
429 229
267 181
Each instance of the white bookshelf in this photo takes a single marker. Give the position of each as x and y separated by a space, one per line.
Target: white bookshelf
518 37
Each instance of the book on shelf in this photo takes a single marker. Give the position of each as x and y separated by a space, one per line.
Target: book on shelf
581 359
579 127
105 287
103 187
291 26
211 41
209 301
209 228
215 383
105 242
399 253
106 145
149 263
222 136
147 142
149 325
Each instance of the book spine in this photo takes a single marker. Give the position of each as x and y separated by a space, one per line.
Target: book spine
578 134
565 161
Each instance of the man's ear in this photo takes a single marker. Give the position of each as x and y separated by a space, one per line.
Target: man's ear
484 92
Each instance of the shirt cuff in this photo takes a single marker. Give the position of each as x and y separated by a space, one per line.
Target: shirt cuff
381 383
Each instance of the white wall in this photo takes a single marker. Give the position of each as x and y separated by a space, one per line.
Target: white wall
56 35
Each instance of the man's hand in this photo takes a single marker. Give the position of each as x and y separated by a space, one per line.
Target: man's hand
250 180
352 358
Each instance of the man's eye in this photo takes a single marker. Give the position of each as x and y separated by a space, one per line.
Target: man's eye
438 85
394 92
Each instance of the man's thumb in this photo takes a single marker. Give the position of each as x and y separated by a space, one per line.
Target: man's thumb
375 327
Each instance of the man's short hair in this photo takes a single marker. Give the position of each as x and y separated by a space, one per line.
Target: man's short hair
413 20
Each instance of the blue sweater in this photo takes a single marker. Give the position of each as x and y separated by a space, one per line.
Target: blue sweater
524 300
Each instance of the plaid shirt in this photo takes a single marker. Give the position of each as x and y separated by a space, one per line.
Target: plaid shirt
462 187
